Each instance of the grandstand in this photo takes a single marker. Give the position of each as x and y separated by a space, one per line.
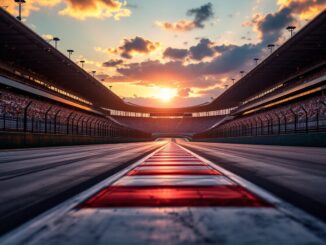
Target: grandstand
285 99
35 99
29 114
303 116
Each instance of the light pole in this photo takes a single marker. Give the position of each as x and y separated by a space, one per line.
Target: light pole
20 3
242 73
271 47
93 73
256 60
291 29
70 51
233 80
56 40
82 63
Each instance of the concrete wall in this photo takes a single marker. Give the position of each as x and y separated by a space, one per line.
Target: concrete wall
306 139
18 140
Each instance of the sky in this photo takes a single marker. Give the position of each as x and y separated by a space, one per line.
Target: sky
171 53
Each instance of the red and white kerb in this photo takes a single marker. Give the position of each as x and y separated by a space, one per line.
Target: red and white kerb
172 177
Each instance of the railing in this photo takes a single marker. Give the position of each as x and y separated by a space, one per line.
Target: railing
58 120
75 126
258 127
81 126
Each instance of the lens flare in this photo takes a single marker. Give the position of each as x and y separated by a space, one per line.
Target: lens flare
166 94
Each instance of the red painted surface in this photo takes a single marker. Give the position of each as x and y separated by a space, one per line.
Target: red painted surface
181 157
172 165
188 196
159 171
174 160
170 155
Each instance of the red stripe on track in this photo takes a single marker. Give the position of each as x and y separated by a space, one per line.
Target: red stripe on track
159 171
184 196
175 160
171 165
171 155
171 151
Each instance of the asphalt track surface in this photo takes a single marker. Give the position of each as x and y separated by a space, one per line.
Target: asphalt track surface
294 174
172 196
34 180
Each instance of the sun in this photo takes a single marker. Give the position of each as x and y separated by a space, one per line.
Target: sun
166 94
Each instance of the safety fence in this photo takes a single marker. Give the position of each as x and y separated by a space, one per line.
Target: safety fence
72 125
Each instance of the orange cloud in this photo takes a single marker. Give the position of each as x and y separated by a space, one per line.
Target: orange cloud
75 8
200 16
134 46
306 9
179 26
95 9
290 12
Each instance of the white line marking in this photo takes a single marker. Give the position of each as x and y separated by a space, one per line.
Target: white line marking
166 180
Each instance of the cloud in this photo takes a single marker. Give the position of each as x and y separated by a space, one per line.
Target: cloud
176 73
207 77
175 54
271 26
184 92
134 46
95 9
203 49
153 72
112 63
179 26
233 59
201 15
305 9
78 9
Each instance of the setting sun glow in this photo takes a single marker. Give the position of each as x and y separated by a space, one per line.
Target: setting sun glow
166 94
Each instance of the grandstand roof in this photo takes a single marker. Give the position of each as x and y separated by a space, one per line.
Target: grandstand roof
304 50
24 48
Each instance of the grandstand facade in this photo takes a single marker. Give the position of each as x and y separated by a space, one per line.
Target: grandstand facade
284 94
293 99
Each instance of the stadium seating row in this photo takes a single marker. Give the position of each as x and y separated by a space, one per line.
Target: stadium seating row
305 115
298 80
24 113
